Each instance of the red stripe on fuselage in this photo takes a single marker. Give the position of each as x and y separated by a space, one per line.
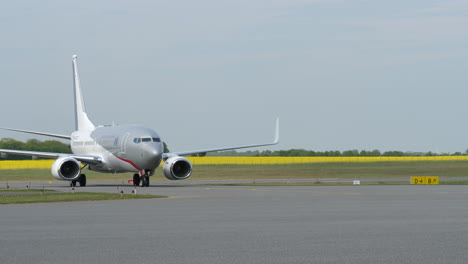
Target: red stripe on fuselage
130 162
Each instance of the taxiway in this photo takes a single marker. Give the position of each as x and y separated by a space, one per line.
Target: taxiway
233 224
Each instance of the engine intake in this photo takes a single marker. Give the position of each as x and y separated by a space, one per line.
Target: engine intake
177 168
66 168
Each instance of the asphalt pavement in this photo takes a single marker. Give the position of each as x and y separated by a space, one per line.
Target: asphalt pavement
234 224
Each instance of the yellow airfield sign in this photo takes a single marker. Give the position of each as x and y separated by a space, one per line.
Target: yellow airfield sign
425 180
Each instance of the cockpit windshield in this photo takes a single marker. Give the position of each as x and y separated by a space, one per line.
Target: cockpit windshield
146 139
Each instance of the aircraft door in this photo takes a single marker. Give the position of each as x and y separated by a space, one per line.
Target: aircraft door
123 147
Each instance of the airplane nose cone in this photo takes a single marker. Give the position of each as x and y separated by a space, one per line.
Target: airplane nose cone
154 153
152 156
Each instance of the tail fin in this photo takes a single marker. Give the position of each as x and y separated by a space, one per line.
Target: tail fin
82 121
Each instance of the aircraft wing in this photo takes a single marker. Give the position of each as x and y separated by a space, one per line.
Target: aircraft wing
87 159
203 152
37 133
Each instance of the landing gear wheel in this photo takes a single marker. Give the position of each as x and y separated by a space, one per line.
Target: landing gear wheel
72 183
145 181
136 179
82 180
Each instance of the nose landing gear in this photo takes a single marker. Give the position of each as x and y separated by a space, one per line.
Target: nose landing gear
145 181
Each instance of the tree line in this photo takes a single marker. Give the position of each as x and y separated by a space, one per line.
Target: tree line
32 145
60 147
328 153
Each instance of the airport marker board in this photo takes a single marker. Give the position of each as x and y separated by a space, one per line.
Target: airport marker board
425 180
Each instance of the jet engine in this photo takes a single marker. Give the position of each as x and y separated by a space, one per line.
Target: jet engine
177 168
66 168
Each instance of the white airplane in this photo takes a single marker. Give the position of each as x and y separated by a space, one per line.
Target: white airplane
115 149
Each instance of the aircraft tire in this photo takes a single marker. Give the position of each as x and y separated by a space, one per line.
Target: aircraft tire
82 180
145 181
136 179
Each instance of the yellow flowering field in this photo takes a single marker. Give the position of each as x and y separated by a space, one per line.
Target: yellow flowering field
25 164
308 160
46 164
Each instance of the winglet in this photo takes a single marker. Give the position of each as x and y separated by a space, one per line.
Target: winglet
277 135
82 121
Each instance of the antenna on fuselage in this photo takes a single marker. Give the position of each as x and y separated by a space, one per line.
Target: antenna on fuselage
82 121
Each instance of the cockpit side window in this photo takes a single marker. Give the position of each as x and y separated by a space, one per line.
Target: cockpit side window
156 140
137 140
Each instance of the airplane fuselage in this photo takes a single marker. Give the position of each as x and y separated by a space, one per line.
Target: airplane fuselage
122 148
115 149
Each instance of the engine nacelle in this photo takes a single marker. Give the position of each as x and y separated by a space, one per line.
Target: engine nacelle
66 169
177 168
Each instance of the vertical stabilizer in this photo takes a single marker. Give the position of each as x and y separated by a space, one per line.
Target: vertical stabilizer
82 121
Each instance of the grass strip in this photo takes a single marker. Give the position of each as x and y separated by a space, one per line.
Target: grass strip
22 190
266 184
344 170
55 197
309 184
454 183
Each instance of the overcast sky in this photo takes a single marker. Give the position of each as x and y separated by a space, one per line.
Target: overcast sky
387 75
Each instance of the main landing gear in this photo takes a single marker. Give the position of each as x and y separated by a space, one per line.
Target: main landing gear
81 180
145 181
